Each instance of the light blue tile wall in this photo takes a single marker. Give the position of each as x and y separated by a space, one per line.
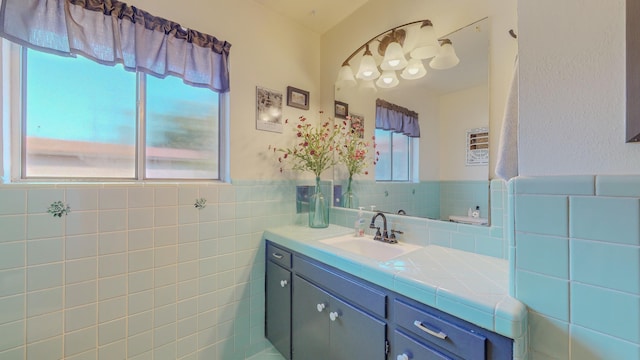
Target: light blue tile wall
577 264
431 199
136 271
485 240
456 197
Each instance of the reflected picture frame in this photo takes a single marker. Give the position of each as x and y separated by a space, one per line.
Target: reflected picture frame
340 109
268 109
297 98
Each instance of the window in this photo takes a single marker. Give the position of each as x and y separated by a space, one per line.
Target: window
394 161
84 120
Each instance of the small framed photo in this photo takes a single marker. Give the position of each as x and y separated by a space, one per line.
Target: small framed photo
297 98
341 110
357 124
268 110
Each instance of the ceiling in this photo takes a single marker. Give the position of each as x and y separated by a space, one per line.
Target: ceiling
317 15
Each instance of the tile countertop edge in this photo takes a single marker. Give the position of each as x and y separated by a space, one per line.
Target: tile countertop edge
509 314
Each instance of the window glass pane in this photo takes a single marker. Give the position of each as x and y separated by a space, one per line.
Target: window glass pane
79 118
383 145
182 130
400 155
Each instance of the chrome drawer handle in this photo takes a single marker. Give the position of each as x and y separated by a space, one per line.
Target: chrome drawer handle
283 283
439 334
277 256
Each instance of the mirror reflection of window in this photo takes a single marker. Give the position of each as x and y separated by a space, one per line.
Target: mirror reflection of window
394 161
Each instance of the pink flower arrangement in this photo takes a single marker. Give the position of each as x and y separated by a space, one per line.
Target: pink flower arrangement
324 145
353 150
314 150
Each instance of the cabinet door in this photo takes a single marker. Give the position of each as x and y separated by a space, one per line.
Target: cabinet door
325 327
278 308
355 334
310 321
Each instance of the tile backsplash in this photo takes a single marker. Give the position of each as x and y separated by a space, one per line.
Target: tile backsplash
486 240
577 265
136 271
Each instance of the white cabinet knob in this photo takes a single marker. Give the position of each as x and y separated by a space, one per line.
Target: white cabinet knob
320 307
283 283
333 315
402 357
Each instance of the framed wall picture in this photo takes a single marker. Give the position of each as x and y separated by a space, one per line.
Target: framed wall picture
357 124
268 110
341 109
477 146
297 98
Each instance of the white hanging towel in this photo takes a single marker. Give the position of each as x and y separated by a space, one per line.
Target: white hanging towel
507 164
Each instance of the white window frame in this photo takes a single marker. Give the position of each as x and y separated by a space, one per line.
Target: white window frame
11 128
414 160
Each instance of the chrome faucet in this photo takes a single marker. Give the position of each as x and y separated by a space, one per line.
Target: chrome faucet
384 237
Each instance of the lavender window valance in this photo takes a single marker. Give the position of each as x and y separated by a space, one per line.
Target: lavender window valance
111 32
397 119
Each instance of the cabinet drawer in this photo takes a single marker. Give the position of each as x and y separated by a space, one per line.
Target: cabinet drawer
278 255
445 334
413 350
366 297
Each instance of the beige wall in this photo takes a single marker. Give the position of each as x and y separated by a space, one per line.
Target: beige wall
455 120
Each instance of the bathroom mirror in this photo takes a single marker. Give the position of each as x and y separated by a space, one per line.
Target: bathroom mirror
633 72
452 105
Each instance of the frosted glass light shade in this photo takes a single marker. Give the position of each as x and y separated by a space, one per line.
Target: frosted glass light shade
393 57
414 70
446 59
345 78
388 79
427 45
368 68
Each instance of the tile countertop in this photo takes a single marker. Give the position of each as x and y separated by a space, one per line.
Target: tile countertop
470 286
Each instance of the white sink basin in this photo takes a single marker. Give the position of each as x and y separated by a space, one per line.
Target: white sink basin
367 247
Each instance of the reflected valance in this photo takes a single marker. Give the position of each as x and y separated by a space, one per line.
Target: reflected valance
111 32
396 118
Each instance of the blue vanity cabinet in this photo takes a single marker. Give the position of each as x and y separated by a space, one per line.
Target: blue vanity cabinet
278 299
326 327
326 313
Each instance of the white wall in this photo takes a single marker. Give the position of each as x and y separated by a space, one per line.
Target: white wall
572 89
458 112
267 50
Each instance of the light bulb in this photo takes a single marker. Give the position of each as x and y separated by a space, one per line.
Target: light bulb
388 79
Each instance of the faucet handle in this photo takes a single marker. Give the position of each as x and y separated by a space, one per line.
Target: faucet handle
392 238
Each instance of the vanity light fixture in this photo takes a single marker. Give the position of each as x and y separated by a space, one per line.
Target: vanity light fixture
381 70
447 57
368 68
